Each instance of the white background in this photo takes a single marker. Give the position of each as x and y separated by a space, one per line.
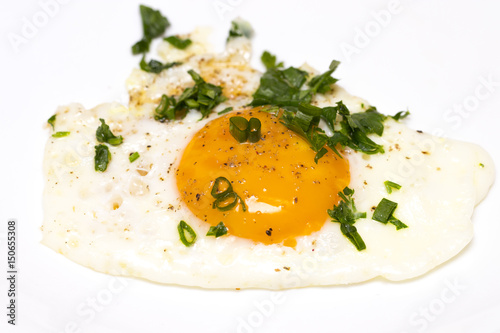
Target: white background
432 57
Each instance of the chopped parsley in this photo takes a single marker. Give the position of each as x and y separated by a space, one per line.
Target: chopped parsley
346 214
154 25
52 121
203 97
177 42
218 230
60 134
384 213
269 60
154 66
391 185
186 233
240 28
133 156
104 134
400 115
226 110
102 158
284 88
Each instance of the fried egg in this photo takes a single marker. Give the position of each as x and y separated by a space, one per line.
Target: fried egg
124 221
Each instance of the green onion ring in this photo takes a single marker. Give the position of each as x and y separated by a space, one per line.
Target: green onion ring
238 127
254 130
183 227
215 189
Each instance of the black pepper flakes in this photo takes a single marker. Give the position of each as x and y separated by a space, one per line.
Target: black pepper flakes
269 231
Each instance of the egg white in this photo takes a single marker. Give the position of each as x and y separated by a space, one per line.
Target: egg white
124 221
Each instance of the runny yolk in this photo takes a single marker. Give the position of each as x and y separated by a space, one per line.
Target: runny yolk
286 193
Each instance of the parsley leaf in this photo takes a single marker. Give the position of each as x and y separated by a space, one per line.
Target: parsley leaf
177 42
203 97
240 28
269 60
218 230
322 83
400 115
102 158
154 66
154 25
346 214
104 134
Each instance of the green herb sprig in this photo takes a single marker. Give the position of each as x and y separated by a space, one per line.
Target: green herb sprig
218 230
203 97
346 214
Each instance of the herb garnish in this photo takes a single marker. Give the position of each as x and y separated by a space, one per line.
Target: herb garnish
60 134
102 158
226 110
177 42
391 185
52 121
133 156
218 230
284 88
243 130
202 96
154 25
384 213
154 66
225 198
186 233
269 60
346 214
104 134
240 28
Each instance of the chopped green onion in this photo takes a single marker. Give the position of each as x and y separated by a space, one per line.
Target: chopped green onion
238 127
254 126
104 134
397 223
481 165
221 187
391 185
52 121
226 202
102 158
226 110
186 233
177 42
218 230
384 210
60 134
225 197
133 156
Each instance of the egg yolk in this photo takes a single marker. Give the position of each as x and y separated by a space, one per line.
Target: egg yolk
285 192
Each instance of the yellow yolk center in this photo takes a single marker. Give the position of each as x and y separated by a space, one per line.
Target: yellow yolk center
286 193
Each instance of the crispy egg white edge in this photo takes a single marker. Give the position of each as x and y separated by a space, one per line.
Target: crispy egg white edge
140 238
